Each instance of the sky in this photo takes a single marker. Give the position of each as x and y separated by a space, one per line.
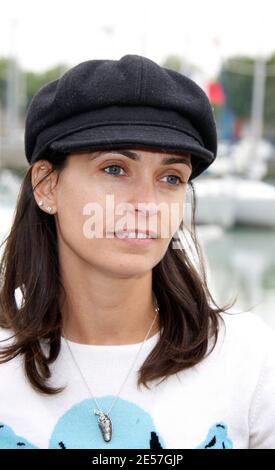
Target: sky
43 33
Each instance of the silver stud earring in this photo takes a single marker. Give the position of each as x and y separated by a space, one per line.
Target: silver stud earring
40 203
49 209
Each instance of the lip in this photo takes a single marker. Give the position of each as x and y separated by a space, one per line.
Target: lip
136 241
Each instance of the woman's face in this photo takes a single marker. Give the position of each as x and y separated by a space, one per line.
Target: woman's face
100 193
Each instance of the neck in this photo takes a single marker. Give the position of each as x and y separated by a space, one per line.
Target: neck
103 310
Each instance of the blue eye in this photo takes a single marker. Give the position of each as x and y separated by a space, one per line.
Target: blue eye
114 173
174 178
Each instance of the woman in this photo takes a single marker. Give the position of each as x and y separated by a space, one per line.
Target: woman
116 341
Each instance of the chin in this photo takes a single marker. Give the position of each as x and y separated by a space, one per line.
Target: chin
131 267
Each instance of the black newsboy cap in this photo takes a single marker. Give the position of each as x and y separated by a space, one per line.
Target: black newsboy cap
130 102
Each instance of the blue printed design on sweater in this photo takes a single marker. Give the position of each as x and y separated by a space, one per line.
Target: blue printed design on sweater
133 428
217 438
10 440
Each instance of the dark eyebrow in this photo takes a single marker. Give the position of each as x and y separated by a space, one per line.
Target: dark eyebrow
134 156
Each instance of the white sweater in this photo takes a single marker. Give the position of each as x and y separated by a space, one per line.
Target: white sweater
225 401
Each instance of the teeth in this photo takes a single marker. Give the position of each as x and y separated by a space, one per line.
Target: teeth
142 235
133 235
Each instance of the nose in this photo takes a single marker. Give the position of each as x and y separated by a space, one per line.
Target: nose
144 196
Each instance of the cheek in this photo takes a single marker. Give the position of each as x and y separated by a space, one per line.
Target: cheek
176 216
170 217
74 203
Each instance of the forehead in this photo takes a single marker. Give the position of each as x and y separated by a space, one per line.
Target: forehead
137 154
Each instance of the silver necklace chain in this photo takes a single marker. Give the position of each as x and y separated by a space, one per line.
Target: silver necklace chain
104 420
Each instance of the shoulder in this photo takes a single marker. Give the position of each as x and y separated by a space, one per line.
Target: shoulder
248 327
246 336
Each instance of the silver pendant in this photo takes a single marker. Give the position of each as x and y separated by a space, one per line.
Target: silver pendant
105 425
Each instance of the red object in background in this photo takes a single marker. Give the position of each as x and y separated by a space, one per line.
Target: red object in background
215 93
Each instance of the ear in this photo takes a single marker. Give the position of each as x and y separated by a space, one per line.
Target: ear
44 180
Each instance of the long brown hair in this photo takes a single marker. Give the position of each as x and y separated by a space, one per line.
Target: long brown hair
30 263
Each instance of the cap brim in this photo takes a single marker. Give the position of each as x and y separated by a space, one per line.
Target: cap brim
122 136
